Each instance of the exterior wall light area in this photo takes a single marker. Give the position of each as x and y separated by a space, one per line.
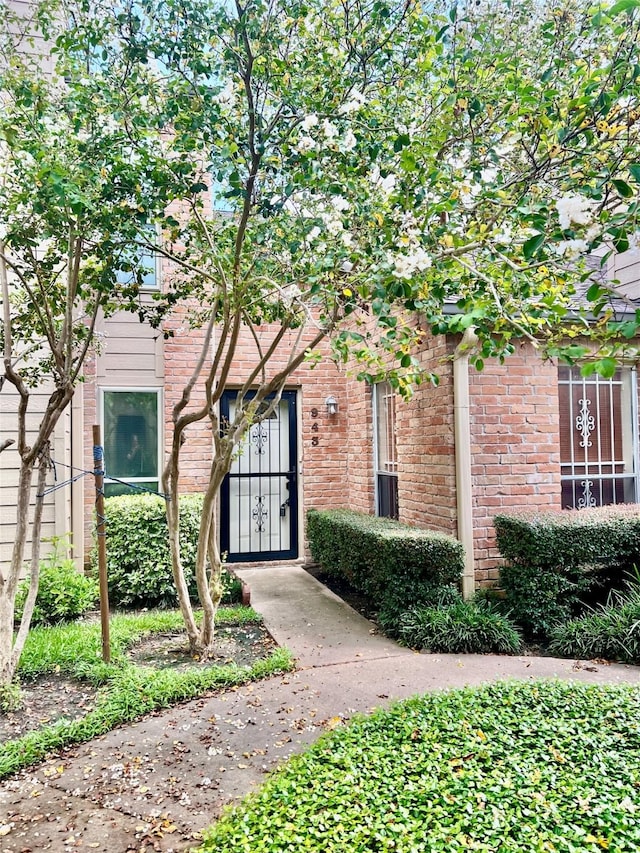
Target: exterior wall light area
332 405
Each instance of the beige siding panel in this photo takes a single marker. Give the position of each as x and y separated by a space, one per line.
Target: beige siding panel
131 354
57 510
625 268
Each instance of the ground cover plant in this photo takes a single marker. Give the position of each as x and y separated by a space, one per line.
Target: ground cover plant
610 631
126 691
543 766
459 627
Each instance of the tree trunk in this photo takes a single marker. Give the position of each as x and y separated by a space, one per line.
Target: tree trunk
34 573
9 582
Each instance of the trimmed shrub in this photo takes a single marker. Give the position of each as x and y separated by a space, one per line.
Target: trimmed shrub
561 561
465 627
611 631
395 565
64 593
138 556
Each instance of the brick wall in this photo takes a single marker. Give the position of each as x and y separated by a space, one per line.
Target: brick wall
515 448
426 449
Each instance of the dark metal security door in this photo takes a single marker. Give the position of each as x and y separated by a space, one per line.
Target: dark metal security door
259 496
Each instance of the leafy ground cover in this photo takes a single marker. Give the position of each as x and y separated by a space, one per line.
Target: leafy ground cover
62 671
544 766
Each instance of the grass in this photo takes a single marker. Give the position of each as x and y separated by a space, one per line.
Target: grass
535 767
126 691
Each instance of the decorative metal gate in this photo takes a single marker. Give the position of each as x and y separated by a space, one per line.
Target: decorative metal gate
259 496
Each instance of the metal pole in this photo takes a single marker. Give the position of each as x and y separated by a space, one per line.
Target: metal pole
98 472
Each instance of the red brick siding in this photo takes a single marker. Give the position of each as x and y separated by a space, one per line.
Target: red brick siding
515 448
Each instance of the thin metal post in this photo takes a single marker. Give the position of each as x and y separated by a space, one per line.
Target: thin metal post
98 472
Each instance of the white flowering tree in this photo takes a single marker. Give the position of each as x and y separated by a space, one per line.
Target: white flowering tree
368 161
345 165
77 194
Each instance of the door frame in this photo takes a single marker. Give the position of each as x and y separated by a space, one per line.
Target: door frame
293 479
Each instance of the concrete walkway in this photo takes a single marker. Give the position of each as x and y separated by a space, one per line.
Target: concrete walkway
152 785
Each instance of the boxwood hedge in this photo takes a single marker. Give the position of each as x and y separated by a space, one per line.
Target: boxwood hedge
138 557
395 565
557 560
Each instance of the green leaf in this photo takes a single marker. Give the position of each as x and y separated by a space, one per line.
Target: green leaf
606 367
622 187
594 292
623 6
634 169
531 246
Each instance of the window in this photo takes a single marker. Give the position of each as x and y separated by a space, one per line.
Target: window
385 452
598 438
130 430
147 261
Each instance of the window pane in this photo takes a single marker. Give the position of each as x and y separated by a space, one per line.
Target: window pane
386 427
386 460
596 438
131 434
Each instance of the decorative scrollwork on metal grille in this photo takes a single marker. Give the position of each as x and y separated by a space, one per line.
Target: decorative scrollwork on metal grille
587 498
585 422
260 437
259 514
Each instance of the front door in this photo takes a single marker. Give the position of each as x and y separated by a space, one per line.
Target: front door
259 496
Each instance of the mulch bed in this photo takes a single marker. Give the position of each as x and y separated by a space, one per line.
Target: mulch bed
52 697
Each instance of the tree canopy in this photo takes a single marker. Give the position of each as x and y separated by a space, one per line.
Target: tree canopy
335 169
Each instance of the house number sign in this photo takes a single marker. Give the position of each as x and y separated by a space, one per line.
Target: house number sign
315 440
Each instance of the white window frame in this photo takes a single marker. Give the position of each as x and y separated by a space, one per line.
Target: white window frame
160 437
377 470
589 474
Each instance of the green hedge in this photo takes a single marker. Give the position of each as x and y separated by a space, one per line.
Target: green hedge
138 557
557 561
395 565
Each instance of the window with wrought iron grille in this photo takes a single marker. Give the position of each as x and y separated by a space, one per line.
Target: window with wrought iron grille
386 455
598 438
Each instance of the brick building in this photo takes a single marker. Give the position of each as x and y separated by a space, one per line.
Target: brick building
526 433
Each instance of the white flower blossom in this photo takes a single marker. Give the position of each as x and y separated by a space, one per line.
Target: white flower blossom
305 145
329 129
310 121
313 234
349 141
504 236
356 100
347 239
468 193
407 265
385 185
332 223
570 249
346 266
488 174
226 95
574 208
339 203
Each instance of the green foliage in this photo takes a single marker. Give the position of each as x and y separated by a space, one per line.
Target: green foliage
128 691
396 566
138 556
509 767
75 649
610 631
64 593
560 560
464 627
10 698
